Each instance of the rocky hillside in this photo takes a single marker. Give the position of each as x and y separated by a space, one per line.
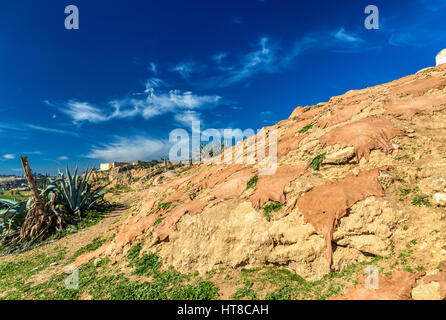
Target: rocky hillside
360 178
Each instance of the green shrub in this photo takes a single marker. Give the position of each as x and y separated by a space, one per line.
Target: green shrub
420 200
252 183
317 162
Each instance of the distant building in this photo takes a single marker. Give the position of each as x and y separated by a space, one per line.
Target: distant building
108 166
105 166
441 57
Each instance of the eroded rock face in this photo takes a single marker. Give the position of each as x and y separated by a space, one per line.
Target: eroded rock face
343 257
342 114
271 187
232 234
364 135
420 87
368 227
420 105
430 291
325 205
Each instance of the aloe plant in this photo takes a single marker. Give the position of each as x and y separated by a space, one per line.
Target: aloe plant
76 191
13 216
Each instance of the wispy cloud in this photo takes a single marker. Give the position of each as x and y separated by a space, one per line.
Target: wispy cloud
185 69
342 35
83 111
8 156
270 57
52 130
153 68
128 149
262 59
185 118
154 101
218 58
62 158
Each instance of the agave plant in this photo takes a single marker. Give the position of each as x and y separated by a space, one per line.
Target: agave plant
13 216
76 191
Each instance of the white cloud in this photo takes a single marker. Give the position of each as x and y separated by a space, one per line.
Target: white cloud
154 101
263 59
185 69
62 158
186 117
8 156
82 111
157 103
152 68
342 35
128 149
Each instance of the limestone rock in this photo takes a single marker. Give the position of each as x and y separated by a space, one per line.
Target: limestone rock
341 156
368 228
343 257
232 234
432 184
440 199
430 291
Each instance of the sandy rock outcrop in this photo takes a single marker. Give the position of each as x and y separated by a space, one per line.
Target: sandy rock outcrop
406 109
271 187
232 234
325 205
368 227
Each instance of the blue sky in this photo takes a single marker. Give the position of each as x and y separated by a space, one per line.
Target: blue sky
137 69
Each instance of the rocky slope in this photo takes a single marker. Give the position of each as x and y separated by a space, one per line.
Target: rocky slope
361 176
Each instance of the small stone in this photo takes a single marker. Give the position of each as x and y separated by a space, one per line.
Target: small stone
410 130
440 199
411 135
430 291
339 157
395 146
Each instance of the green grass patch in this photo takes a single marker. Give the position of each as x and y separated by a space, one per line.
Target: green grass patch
252 182
148 264
420 200
157 222
271 207
95 244
306 128
317 162
134 252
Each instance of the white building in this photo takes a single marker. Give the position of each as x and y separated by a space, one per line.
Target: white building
105 166
108 166
441 57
